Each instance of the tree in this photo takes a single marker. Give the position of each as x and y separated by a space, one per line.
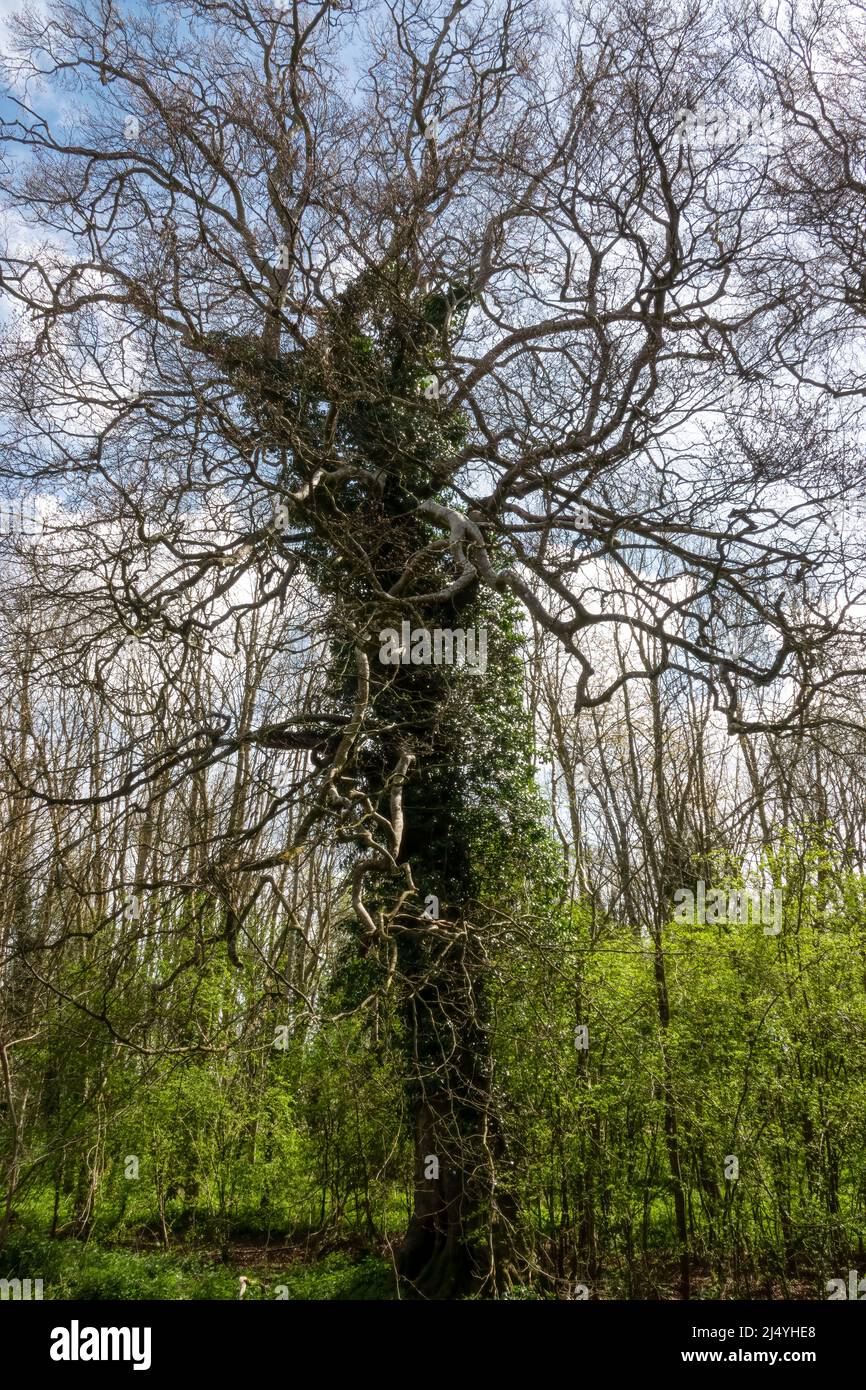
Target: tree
413 328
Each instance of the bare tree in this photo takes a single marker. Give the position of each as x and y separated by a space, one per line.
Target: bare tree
411 313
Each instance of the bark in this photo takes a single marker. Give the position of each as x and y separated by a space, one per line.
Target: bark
445 1253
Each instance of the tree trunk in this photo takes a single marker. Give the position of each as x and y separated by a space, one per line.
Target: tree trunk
444 1253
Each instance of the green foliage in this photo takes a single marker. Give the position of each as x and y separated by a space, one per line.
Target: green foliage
765 1055
756 1043
72 1270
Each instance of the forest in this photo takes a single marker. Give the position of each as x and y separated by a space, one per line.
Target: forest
433 545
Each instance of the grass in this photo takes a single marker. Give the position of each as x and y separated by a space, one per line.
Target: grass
295 1270
71 1269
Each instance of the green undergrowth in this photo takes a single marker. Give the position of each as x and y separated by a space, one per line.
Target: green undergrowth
71 1269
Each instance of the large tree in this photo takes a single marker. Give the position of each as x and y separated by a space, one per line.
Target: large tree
422 314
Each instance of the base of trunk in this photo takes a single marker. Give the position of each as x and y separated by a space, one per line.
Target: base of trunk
435 1263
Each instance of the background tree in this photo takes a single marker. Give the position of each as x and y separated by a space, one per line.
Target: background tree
404 325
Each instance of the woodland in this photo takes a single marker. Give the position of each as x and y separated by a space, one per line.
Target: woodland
335 969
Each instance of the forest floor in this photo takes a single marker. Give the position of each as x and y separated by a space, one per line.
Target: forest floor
311 1268
145 1269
